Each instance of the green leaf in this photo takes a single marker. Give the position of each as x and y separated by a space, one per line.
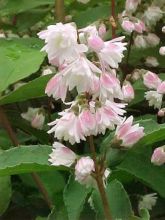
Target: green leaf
144 214
19 58
138 160
119 202
91 14
74 198
5 192
56 185
25 159
8 7
33 89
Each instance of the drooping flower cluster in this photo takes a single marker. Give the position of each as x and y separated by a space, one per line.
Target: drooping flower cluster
154 96
97 86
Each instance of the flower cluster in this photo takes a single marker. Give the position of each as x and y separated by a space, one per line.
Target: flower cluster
154 96
95 108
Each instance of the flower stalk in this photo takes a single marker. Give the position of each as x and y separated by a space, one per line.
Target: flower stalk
99 180
6 124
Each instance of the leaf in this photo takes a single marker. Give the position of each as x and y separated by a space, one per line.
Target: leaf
25 159
5 192
33 89
119 202
56 185
91 14
74 198
60 214
8 7
19 58
138 160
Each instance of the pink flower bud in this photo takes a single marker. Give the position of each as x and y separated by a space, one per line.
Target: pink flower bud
162 51
140 27
62 155
128 91
102 30
158 156
95 43
161 88
38 121
83 169
128 26
129 134
151 80
161 112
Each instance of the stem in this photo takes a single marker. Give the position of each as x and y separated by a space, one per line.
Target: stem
59 10
6 123
129 48
113 17
100 181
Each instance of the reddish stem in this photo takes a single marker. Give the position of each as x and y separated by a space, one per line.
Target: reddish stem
113 16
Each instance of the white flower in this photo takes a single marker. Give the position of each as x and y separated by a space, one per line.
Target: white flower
83 169
131 5
154 98
35 116
151 62
61 43
148 201
62 155
108 115
48 70
67 128
81 74
140 41
162 51
112 52
152 15
152 39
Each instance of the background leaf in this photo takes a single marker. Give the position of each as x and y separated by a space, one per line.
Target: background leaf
19 58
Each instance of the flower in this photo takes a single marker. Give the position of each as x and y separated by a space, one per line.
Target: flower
148 201
95 43
81 74
83 170
48 70
35 116
127 133
152 39
57 87
131 5
61 43
154 98
140 27
152 15
102 30
62 155
110 86
163 29
108 115
67 127
151 62
162 51
112 52
161 88
151 80
128 91
158 156
161 112
140 41
128 26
